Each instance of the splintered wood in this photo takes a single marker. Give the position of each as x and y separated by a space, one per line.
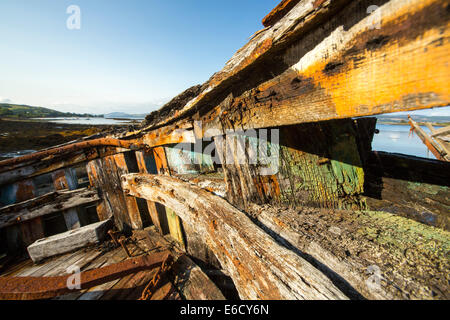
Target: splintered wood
259 266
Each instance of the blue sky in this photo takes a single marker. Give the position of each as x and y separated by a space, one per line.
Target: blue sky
127 56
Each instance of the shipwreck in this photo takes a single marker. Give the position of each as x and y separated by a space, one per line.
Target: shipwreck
260 183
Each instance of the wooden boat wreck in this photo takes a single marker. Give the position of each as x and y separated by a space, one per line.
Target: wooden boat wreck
438 142
260 183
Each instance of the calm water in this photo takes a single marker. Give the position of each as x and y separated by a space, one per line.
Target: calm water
396 138
93 121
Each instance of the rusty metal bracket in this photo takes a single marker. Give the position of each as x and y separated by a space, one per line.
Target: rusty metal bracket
37 288
114 238
122 242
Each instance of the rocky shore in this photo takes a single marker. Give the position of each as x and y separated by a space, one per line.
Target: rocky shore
27 135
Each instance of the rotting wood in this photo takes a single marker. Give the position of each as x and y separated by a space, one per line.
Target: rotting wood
103 175
193 283
142 158
259 266
262 48
63 180
332 71
50 153
439 132
279 12
354 72
42 167
437 149
32 288
44 205
409 186
314 164
174 224
382 256
133 212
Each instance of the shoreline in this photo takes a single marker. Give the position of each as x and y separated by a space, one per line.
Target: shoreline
30 134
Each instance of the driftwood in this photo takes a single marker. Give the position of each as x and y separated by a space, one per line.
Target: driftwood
258 265
46 204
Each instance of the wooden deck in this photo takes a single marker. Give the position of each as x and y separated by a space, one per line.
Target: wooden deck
126 288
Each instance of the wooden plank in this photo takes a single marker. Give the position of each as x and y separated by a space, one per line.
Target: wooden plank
15 269
355 72
11 175
44 205
104 175
297 72
436 149
72 220
134 215
259 266
32 230
162 166
314 164
193 283
63 180
146 164
129 287
175 226
441 131
351 246
279 12
45 266
263 48
85 258
97 292
173 221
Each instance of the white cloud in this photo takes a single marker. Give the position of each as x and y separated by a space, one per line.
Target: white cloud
4 100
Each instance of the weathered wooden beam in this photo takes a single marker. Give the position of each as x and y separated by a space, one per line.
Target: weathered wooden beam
32 168
279 12
329 60
436 149
104 174
146 164
64 180
5 165
46 204
39 288
259 266
381 255
193 283
357 70
441 131
42 167
132 207
261 49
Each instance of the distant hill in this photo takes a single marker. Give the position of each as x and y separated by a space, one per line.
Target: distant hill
123 115
8 110
403 119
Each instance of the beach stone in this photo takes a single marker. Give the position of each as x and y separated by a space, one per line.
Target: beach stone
69 241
